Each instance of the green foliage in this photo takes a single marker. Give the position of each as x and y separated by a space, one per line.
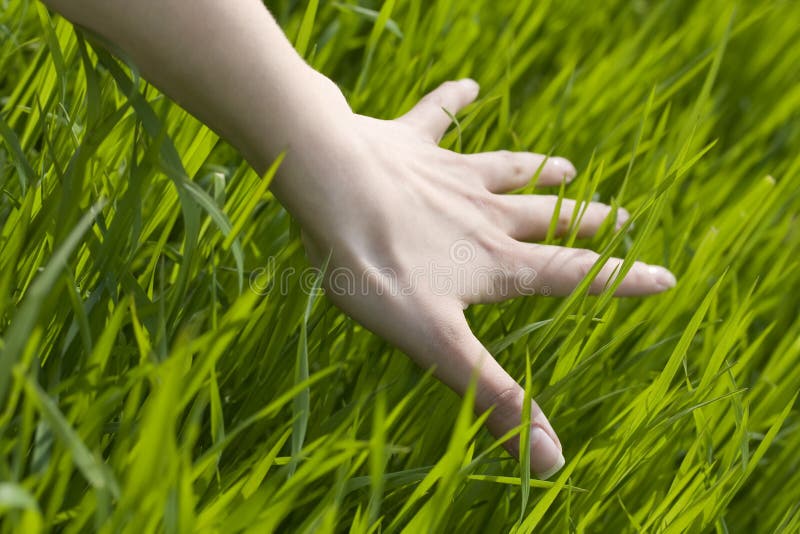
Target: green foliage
154 377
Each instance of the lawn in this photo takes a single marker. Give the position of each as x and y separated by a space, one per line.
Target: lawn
155 376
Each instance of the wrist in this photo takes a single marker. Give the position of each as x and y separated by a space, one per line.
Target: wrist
303 106
316 135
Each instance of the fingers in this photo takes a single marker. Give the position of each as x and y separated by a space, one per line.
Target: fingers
429 117
458 354
528 217
432 330
552 270
505 171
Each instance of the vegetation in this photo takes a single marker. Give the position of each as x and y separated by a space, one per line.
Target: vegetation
154 378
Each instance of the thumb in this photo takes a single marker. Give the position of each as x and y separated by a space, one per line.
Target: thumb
458 356
429 116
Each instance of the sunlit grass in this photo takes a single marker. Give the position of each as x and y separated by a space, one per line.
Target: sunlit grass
145 386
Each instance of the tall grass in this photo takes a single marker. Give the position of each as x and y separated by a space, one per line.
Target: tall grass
146 386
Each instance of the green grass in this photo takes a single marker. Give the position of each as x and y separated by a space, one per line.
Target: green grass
145 387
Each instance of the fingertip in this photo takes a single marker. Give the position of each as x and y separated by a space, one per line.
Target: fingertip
553 470
540 420
663 278
622 217
546 456
471 84
564 167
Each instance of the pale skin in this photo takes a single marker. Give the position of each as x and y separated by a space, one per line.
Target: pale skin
376 195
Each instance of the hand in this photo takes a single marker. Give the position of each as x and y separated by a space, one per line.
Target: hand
421 231
415 233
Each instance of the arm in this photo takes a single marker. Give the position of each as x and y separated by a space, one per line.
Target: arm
230 65
409 221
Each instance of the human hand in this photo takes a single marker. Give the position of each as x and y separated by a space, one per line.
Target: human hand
414 234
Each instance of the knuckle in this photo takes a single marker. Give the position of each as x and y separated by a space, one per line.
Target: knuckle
584 261
505 253
515 163
447 337
481 200
564 219
464 165
507 157
507 401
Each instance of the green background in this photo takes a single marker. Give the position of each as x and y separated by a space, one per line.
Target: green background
145 386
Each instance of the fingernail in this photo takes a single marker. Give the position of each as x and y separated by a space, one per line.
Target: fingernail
555 469
565 167
622 217
663 278
546 456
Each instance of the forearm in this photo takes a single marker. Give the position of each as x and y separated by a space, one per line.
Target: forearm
228 63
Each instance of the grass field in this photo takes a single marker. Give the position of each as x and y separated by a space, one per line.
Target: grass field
151 380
